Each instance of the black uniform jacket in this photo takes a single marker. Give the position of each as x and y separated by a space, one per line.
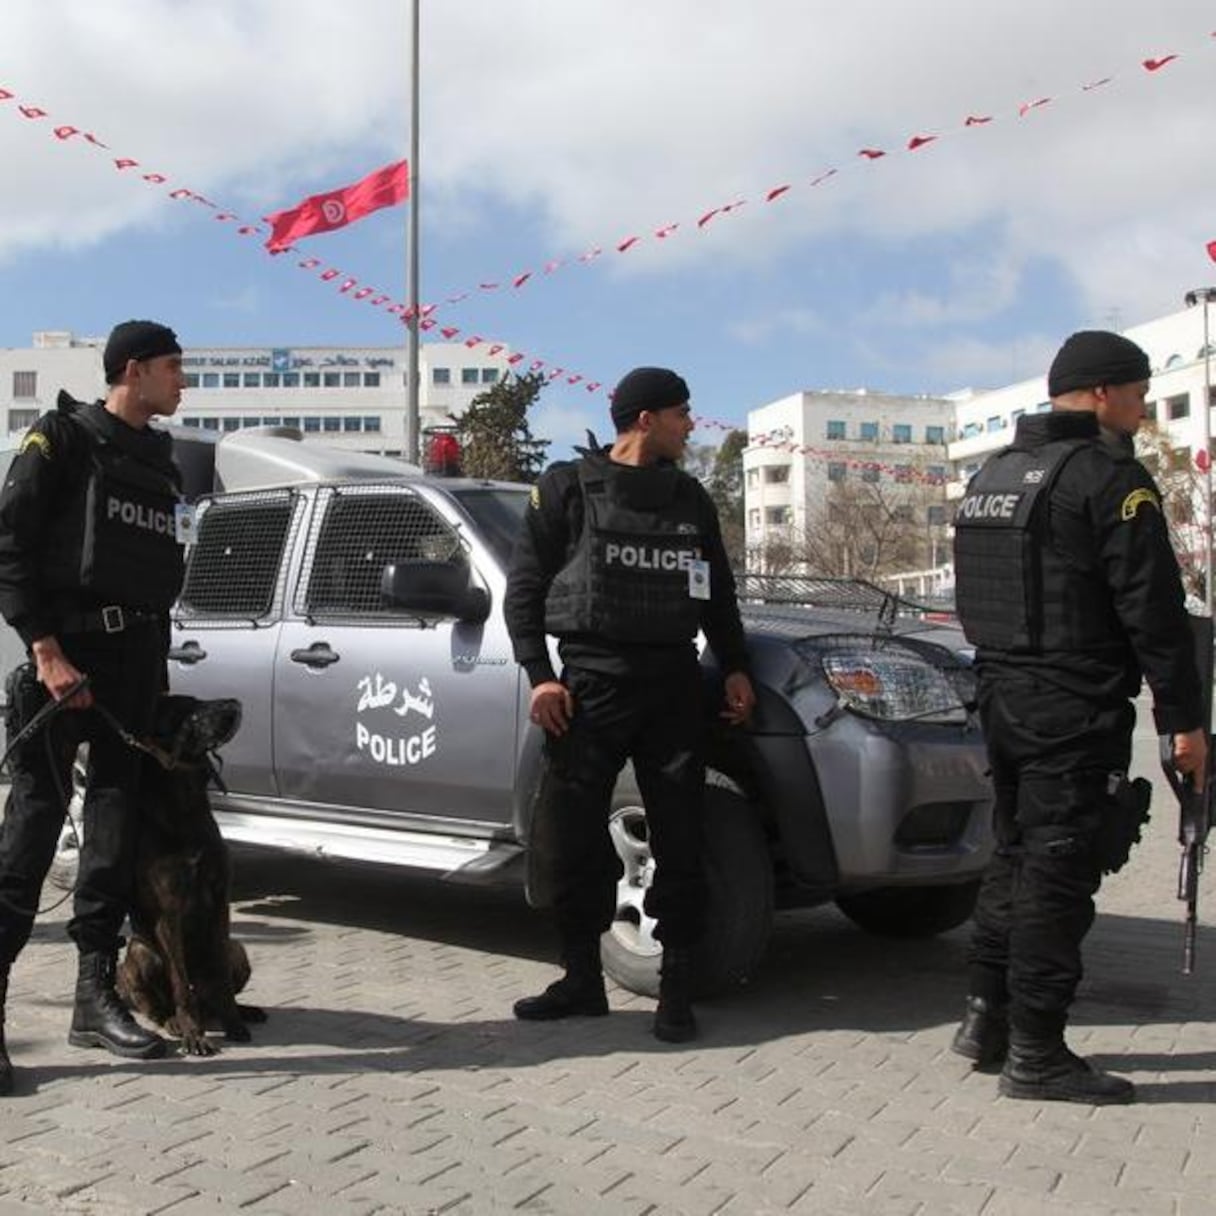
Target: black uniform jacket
552 528
43 479
1105 511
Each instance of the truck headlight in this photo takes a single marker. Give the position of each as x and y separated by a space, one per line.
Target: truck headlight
894 685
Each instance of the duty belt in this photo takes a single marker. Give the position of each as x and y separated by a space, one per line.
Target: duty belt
113 618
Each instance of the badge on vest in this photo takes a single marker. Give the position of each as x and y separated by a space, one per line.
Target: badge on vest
698 579
183 523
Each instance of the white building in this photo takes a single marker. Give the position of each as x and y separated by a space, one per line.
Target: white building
349 396
802 447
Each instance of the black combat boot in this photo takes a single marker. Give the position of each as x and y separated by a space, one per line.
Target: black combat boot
100 1019
580 992
983 1034
6 1067
1041 1067
674 1021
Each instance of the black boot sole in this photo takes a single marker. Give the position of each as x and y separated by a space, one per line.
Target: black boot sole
92 1038
554 1013
1041 1091
982 1059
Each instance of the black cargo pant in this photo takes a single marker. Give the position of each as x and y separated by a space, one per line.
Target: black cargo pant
1051 755
126 674
656 720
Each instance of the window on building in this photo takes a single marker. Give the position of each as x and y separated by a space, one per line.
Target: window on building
291 379
1042 407
468 375
350 423
936 473
312 425
935 515
753 518
776 515
994 424
271 421
837 470
868 431
251 422
295 422
970 430
211 379
901 432
332 423
25 386
253 379
18 420
191 379
489 375
231 424
331 379
271 380
777 474
835 429
1178 407
371 379
753 478
1013 418
935 434
211 424
232 380
869 474
1150 411
903 472
312 379
441 375
371 424
351 379
191 422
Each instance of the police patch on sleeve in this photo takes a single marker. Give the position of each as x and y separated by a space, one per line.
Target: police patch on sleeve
1135 500
38 441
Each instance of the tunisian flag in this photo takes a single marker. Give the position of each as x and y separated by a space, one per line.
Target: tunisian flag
337 208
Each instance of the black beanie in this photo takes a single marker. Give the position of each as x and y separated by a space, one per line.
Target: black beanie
137 340
1093 357
646 388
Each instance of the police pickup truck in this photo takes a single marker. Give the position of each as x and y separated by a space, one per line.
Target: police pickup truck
354 606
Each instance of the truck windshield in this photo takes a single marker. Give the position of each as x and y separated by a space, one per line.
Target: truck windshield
498 514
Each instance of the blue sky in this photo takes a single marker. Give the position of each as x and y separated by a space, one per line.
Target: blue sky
549 129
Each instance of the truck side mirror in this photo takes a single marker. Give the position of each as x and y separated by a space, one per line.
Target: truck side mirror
434 589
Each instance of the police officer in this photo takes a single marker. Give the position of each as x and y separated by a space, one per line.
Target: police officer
621 558
91 521
1068 586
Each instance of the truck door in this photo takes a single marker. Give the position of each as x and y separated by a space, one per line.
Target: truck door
377 710
226 622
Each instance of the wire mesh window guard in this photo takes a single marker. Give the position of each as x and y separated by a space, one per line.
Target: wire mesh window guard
233 566
357 533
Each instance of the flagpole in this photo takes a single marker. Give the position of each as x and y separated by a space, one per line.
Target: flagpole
413 361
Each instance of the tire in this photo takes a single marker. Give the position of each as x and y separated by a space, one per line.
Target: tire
911 912
65 865
739 873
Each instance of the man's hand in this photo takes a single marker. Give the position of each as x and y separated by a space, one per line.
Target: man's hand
57 674
1191 756
552 707
740 698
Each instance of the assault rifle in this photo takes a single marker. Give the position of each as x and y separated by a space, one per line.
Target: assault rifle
1194 807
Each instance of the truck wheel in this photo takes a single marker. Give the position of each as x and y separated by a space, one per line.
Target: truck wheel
911 911
65 865
739 872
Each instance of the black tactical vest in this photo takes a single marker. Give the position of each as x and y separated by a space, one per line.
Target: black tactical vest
628 577
116 541
1015 592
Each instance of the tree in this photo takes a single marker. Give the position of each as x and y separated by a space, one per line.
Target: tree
725 486
495 438
1182 487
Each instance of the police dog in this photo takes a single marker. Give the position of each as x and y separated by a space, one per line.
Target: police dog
182 968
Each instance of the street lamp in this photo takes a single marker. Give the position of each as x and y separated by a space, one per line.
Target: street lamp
1206 296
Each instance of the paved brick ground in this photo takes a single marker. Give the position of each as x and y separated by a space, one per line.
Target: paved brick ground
392 1079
